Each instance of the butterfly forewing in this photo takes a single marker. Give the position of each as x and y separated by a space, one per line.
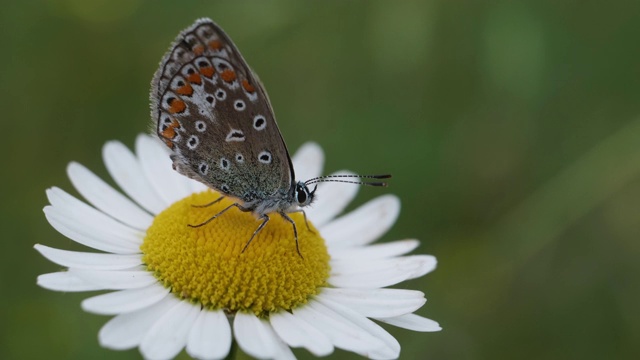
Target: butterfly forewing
213 113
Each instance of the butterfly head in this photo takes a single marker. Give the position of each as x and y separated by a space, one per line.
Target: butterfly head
303 195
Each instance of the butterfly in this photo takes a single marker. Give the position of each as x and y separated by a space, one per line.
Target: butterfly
211 110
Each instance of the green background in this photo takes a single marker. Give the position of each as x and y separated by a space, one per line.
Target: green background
512 130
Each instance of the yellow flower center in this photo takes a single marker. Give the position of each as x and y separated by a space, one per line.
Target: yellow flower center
206 264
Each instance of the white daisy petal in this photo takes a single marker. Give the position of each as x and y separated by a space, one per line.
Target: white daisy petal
255 336
116 280
168 336
126 331
412 322
210 337
82 234
148 316
127 173
125 301
94 220
156 164
85 260
373 252
65 281
330 199
308 161
391 350
284 352
105 198
197 186
376 302
379 273
297 333
342 333
363 225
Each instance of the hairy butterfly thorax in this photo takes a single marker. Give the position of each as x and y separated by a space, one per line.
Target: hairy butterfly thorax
211 110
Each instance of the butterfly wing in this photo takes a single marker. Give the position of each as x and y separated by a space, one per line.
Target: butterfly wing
214 114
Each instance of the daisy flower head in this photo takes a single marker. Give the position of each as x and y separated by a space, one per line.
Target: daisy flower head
175 287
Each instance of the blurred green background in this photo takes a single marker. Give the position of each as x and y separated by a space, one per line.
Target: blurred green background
512 130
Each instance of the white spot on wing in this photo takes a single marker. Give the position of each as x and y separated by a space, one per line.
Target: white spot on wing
259 122
235 135
201 126
239 105
193 142
265 157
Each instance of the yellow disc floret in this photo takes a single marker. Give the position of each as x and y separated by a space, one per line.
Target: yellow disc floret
206 264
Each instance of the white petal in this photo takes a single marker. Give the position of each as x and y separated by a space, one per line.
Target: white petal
210 337
82 234
330 199
125 301
169 334
116 280
196 186
156 164
284 352
412 322
105 198
126 331
255 336
127 173
85 260
391 348
372 252
342 332
96 220
363 225
379 273
308 161
65 281
297 333
376 302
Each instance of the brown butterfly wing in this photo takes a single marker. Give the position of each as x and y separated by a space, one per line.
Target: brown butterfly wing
214 114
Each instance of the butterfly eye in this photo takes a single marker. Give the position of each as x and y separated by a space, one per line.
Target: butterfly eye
301 195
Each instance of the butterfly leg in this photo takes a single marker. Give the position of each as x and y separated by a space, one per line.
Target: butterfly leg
211 203
218 214
266 220
295 230
305 219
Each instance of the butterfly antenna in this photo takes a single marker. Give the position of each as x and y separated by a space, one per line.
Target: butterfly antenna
340 179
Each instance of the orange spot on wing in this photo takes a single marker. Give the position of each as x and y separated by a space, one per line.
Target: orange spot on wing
177 106
215 44
198 49
169 144
185 90
170 131
228 75
194 78
207 71
248 87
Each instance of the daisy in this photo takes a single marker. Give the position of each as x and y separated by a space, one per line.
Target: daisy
175 287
